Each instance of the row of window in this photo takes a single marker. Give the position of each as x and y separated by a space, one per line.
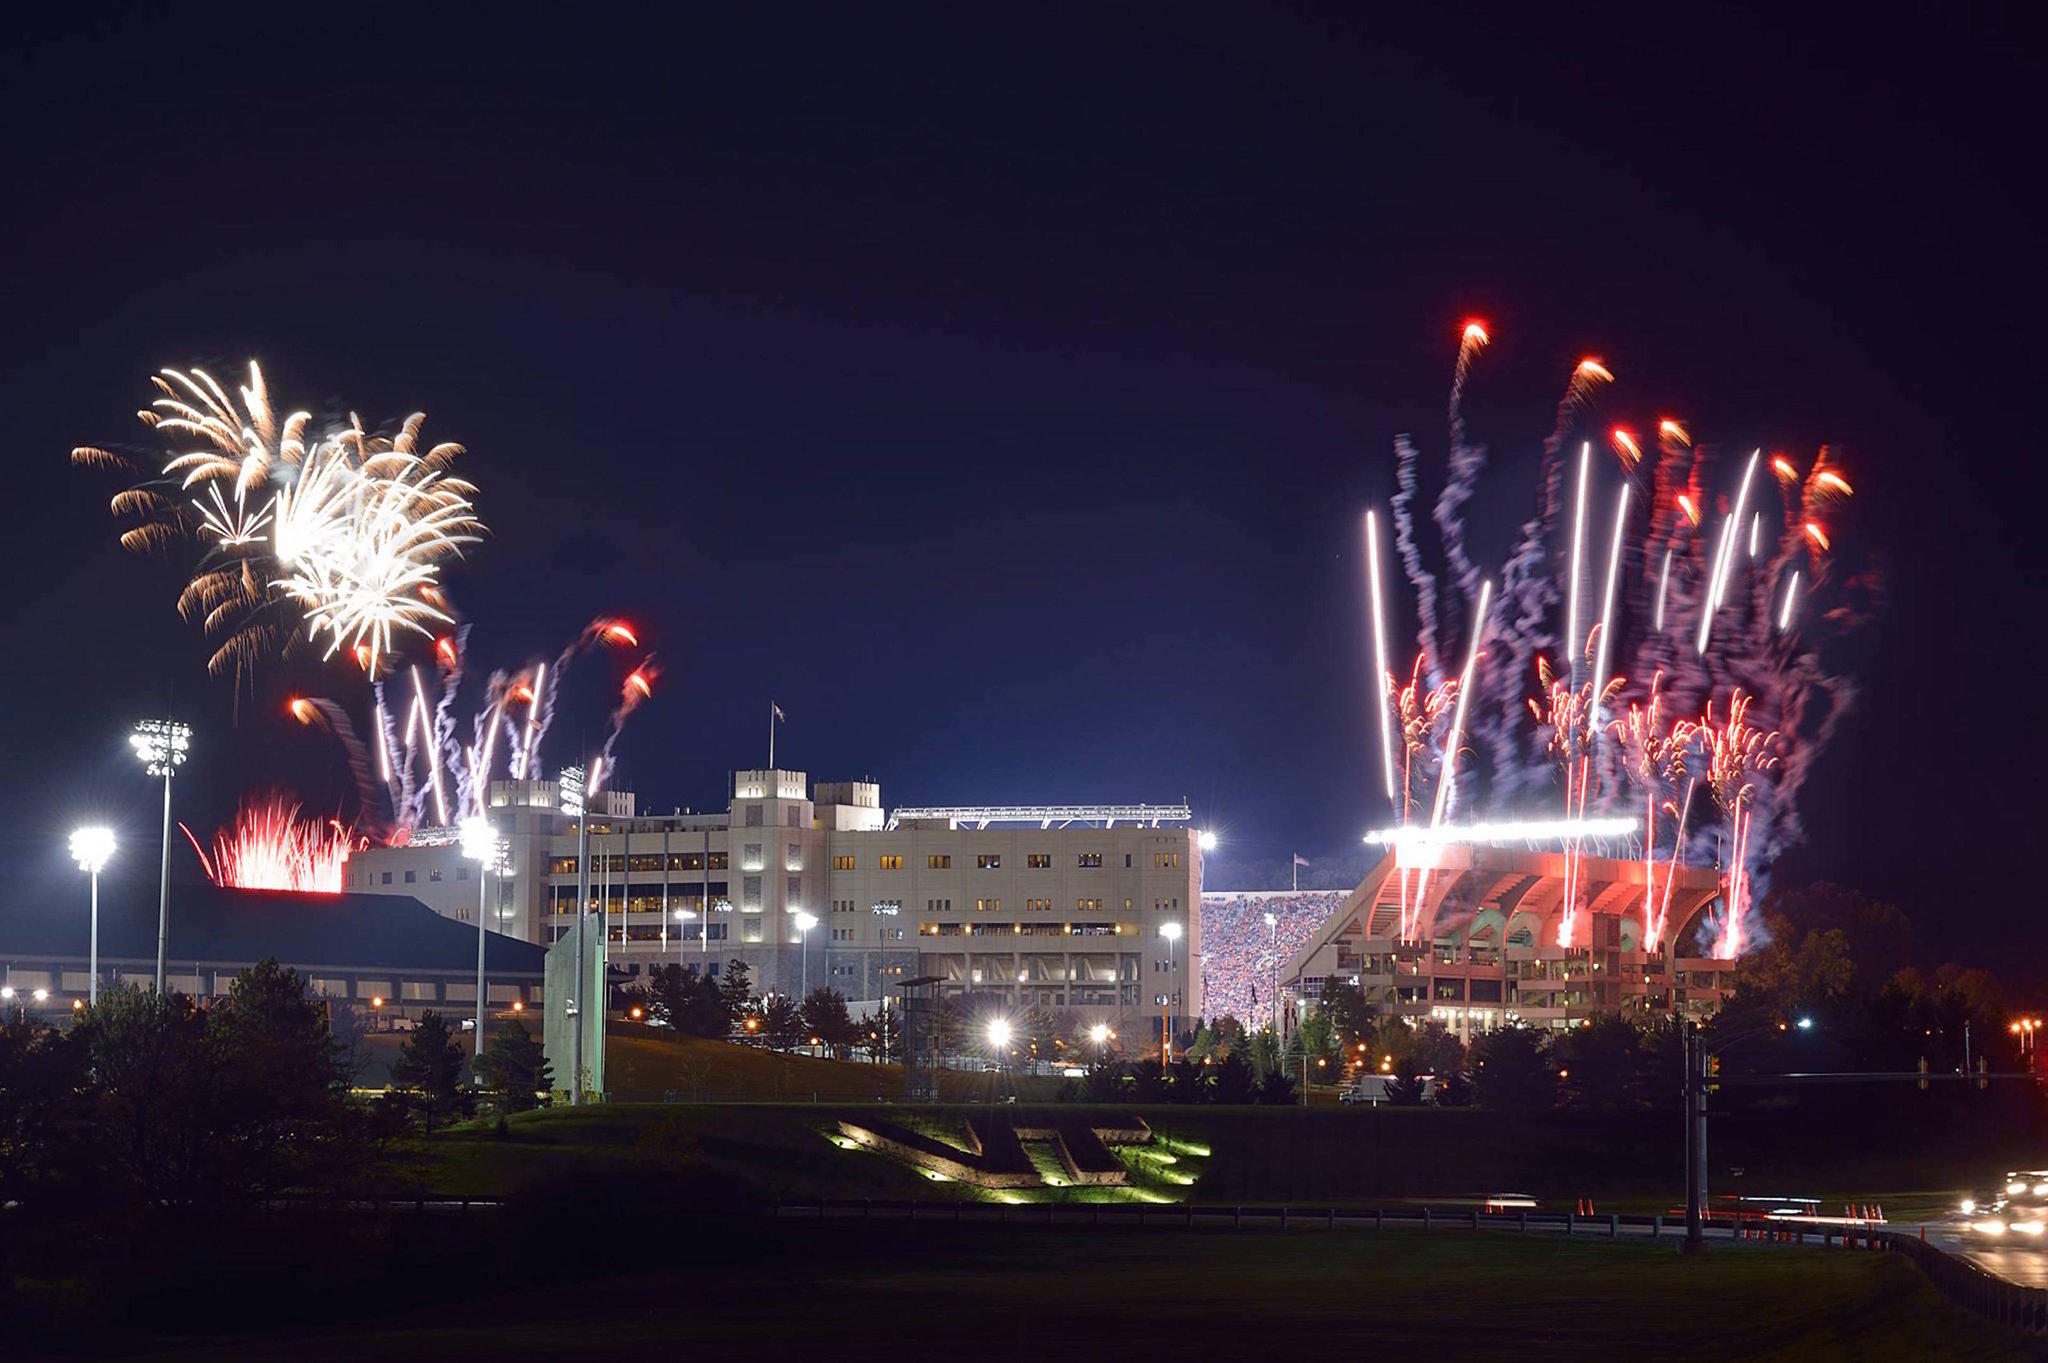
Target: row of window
938 861
677 861
412 877
1023 929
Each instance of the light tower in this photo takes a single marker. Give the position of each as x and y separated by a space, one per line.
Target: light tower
1171 932
162 746
90 848
804 923
480 845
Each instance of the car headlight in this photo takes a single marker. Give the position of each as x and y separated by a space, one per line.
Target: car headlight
2015 1187
1988 1227
1969 1205
2028 1227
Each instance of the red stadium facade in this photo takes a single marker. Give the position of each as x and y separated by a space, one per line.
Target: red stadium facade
1486 955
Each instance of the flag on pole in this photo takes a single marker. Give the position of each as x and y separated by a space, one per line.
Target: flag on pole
778 712
1300 860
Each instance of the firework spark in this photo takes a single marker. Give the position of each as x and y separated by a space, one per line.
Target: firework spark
269 847
349 528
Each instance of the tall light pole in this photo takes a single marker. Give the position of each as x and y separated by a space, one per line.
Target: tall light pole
480 845
90 848
1171 932
1272 948
162 746
684 916
804 923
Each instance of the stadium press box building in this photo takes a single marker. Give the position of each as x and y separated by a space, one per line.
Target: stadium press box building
1093 910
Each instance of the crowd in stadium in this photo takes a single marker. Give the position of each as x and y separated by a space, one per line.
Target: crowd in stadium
1241 955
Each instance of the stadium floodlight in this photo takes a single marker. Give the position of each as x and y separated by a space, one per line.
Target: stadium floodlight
91 848
41 996
1272 919
804 923
1099 1034
999 1033
1521 830
1170 931
162 745
480 845
1206 840
6 993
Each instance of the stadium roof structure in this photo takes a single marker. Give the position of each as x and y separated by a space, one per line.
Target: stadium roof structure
1045 816
1476 894
222 927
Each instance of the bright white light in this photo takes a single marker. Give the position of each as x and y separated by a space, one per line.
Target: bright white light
1206 840
1988 1227
685 915
1170 931
6 991
1805 1024
161 744
2016 1187
1526 830
40 995
2027 1227
999 1033
91 848
805 922
479 843
1272 919
1099 1033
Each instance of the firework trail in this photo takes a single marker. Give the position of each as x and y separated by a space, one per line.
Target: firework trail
1446 781
1421 712
1567 713
1465 464
1385 678
350 529
320 713
1653 756
1736 753
269 847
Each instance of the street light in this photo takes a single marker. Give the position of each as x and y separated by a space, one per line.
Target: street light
1171 932
480 845
685 916
999 1034
90 848
1099 1034
1272 941
804 923
162 745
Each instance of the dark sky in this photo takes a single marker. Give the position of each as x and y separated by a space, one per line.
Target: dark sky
997 388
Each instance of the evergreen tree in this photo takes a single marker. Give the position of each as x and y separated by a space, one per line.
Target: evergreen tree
782 1022
736 990
514 1066
429 1070
825 1018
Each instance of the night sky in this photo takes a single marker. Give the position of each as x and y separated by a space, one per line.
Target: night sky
998 389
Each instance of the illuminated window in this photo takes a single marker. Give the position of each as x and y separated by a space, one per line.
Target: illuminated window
1165 861
842 863
1089 859
1166 905
561 866
938 862
1088 906
892 862
988 906
434 875
989 861
1039 861
1038 905
938 906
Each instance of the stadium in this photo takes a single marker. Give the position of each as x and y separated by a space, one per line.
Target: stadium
1486 956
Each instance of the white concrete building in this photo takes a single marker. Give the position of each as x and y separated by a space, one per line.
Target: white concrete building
1065 908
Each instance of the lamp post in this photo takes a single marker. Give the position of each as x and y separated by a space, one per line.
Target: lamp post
1171 932
804 923
1702 1070
480 845
90 848
162 745
1272 948
570 800
685 916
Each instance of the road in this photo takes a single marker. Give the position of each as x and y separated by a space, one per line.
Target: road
2025 1263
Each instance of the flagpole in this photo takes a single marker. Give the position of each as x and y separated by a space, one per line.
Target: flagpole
771 735
1296 856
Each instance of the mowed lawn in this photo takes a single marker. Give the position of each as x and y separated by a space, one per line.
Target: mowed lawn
892 1291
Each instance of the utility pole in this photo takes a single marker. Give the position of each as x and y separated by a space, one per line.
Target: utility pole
1695 1240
